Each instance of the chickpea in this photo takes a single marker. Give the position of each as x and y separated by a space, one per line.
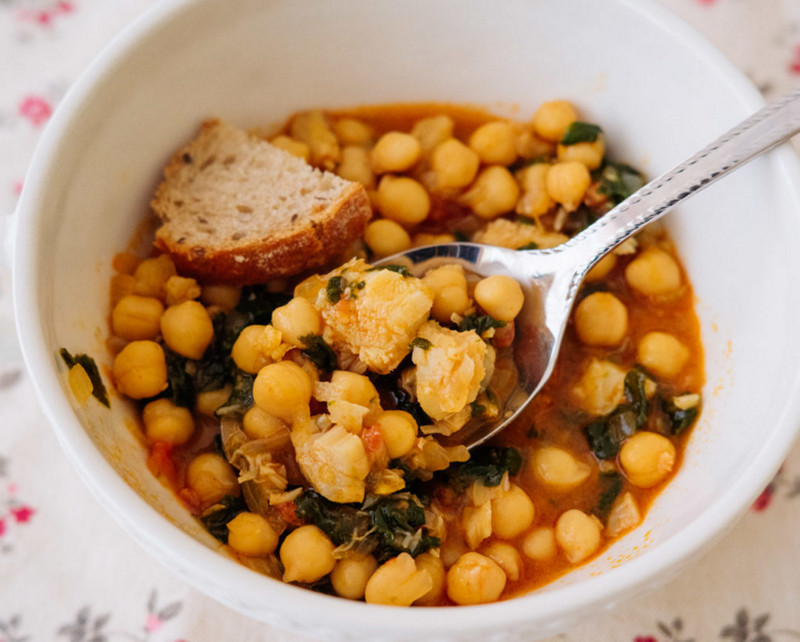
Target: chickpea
446 276
432 130
423 238
567 183
495 143
500 296
258 424
211 477
654 272
352 131
297 319
164 421
221 296
283 389
355 166
125 263
137 317
207 402
449 301
395 152
398 582
647 458
535 200
351 574
403 200
540 544
312 128
601 319
245 352
512 513
152 275
385 237
662 354
140 370
433 566
454 164
577 534
252 535
493 193
552 119
506 557
294 147
399 431
307 555
354 388
601 269
475 579
588 153
559 469
187 329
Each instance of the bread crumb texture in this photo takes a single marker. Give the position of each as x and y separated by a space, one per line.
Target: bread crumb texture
236 209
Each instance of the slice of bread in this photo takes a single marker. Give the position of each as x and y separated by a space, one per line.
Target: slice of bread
235 209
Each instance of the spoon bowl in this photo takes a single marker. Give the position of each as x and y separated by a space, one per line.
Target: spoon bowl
550 279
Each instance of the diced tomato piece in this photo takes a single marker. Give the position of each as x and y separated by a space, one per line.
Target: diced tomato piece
288 512
504 337
160 462
372 438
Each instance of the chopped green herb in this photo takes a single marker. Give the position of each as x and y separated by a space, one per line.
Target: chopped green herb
90 367
580 132
532 432
217 520
383 526
529 246
679 419
419 342
635 394
487 465
478 410
392 267
611 486
460 236
319 352
618 181
241 397
480 323
335 288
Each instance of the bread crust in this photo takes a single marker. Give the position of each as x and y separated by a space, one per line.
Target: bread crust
313 246
331 228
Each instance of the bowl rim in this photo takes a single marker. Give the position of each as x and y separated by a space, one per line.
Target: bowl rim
247 590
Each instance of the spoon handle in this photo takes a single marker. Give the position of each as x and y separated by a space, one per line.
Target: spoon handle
768 127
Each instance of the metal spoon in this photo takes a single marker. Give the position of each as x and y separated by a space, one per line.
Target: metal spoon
550 278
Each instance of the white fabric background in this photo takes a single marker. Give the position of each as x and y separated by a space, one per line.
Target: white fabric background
68 572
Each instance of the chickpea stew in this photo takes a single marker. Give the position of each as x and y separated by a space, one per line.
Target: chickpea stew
300 419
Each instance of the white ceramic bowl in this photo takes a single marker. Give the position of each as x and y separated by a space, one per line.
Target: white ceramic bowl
657 88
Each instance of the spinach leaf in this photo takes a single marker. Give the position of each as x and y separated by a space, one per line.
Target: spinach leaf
460 236
181 383
393 267
529 246
679 419
384 526
241 397
487 465
217 521
419 342
636 396
480 323
580 132
320 353
478 410
335 288
618 181
611 486
605 436
256 305
89 366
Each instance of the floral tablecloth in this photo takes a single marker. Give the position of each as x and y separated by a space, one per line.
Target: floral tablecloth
68 572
